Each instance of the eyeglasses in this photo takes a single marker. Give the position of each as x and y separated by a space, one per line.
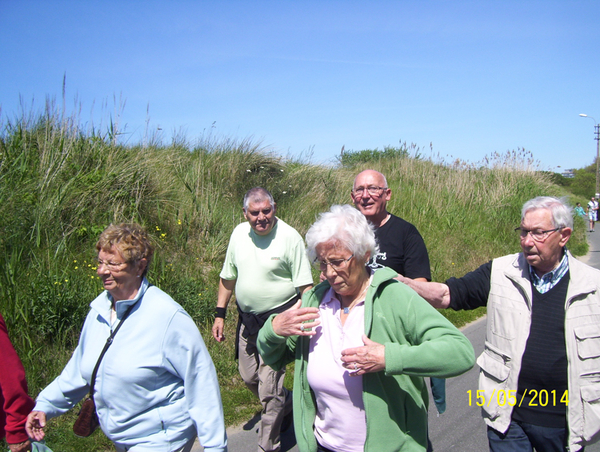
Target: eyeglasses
114 266
336 264
537 235
371 189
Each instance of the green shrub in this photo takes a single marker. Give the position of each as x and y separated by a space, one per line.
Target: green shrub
351 158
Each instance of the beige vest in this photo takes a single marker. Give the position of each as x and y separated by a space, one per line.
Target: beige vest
508 325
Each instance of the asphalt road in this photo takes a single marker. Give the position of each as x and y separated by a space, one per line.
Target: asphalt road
593 257
460 428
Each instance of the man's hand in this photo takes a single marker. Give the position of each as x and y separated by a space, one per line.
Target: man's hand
217 329
436 294
366 359
36 421
226 287
20 447
400 278
405 280
296 321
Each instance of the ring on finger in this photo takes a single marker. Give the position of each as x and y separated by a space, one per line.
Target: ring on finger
355 366
302 327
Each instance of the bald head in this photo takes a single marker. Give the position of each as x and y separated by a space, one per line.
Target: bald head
371 175
370 195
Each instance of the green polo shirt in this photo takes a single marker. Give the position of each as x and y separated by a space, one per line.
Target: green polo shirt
267 269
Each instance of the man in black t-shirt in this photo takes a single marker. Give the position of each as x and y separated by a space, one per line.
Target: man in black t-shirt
401 247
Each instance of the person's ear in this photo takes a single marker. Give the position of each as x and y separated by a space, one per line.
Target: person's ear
142 266
565 235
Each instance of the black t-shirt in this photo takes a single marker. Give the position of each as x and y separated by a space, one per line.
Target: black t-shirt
402 248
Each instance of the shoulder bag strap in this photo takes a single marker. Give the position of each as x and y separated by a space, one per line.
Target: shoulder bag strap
108 343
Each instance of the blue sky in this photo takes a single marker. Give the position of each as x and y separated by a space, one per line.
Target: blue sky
305 78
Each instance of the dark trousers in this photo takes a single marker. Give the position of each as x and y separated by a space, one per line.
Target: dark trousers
322 449
523 437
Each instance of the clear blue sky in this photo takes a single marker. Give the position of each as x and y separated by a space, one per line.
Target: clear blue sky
470 77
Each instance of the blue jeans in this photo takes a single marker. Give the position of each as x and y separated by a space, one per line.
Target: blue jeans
522 437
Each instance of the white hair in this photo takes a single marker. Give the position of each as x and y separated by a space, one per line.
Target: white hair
562 213
346 225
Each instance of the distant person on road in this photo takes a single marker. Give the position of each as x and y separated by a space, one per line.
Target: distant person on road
362 343
592 211
15 403
538 385
267 266
579 210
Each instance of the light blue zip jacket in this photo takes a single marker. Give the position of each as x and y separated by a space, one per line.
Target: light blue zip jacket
156 385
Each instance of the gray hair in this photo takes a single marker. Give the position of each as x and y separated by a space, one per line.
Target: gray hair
562 213
258 194
345 225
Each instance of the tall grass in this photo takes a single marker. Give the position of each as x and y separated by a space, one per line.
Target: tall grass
61 185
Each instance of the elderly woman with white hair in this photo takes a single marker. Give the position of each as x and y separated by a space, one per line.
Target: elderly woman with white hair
362 342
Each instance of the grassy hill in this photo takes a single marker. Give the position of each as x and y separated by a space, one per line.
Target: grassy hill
61 184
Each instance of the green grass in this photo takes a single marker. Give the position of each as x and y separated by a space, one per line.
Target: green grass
61 185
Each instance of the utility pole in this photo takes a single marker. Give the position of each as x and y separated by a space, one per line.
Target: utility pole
597 127
597 161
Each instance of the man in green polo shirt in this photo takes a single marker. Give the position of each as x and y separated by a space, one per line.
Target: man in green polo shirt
267 266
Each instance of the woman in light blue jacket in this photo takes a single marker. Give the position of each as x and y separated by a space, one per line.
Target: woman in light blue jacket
156 387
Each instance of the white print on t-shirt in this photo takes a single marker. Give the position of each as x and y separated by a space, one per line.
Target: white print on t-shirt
373 261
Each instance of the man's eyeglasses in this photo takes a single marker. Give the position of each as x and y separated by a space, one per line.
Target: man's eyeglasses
537 235
336 264
114 266
371 189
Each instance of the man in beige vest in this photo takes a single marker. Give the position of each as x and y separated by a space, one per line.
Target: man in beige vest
538 384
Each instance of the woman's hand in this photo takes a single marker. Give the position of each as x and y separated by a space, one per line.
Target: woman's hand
296 321
366 359
36 421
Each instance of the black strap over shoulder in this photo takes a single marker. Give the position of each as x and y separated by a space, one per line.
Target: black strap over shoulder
109 341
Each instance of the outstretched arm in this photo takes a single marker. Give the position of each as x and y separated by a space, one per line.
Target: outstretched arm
436 294
422 341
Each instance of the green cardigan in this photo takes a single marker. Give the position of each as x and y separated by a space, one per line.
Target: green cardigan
419 342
